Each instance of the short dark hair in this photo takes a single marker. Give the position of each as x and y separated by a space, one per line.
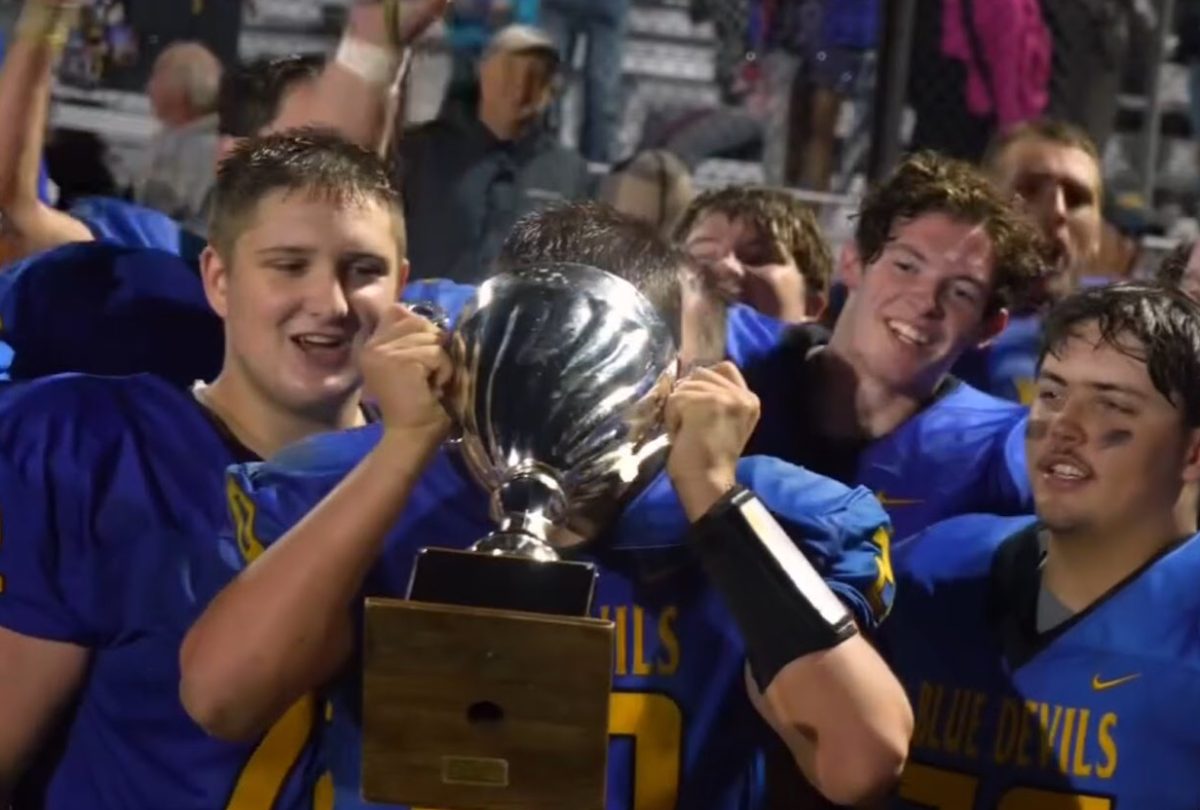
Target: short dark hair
928 183
314 160
1051 130
776 215
596 234
251 93
1164 322
1171 268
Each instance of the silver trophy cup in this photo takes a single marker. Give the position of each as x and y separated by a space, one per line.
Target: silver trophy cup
562 372
561 375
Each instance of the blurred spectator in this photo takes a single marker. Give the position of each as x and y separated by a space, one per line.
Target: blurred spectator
653 186
603 24
469 26
465 181
1054 168
835 38
761 247
977 67
178 177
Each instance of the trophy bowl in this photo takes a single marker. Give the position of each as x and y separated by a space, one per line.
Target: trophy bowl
561 375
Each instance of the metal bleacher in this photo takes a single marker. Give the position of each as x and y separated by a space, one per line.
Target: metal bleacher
669 62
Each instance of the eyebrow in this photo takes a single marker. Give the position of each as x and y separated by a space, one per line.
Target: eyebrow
1042 175
289 250
1103 387
909 249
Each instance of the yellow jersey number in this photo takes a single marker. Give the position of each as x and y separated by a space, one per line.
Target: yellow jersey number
941 789
656 726
262 780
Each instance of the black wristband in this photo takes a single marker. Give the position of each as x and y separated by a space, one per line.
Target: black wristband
782 606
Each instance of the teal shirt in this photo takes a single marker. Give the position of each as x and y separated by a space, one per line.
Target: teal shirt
468 33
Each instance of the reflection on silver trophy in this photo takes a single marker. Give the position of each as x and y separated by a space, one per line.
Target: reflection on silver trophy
561 374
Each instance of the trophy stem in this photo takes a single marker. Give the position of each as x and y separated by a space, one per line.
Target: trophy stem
526 506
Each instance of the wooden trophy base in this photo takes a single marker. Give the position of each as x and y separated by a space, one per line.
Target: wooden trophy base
469 708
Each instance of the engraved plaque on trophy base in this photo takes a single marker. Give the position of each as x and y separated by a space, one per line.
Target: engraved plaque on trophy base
468 708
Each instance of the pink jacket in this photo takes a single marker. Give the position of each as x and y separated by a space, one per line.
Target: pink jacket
1016 47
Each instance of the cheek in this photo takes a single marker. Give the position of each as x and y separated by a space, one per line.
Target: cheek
260 306
369 303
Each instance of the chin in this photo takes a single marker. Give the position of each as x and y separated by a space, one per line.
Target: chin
322 398
1061 522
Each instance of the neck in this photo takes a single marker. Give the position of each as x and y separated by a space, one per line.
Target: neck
878 408
265 427
500 123
1082 567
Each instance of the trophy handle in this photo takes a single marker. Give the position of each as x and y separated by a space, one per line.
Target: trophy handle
432 312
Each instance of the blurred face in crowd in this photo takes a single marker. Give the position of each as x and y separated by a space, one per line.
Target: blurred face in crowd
1061 189
920 304
300 291
294 109
750 266
1106 450
515 88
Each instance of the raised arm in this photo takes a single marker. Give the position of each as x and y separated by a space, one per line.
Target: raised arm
283 626
816 681
354 94
29 225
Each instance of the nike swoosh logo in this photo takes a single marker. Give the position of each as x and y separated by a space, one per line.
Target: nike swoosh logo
1099 685
885 500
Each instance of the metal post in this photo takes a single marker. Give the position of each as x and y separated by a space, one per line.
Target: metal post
1152 135
891 85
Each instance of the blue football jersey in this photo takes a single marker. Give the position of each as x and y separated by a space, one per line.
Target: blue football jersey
106 487
103 308
684 734
964 452
1094 714
126 223
1007 367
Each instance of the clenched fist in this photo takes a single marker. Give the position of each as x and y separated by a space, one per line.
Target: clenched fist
405 371
710 416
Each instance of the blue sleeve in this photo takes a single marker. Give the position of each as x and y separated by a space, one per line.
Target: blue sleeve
131 225
53 576
750 335
1010 474
267 498
843 532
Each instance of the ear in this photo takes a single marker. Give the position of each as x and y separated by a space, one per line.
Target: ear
992 325
402 272
214 274
1191 459
850 266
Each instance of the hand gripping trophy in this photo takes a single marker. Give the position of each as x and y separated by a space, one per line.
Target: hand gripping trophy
561 374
